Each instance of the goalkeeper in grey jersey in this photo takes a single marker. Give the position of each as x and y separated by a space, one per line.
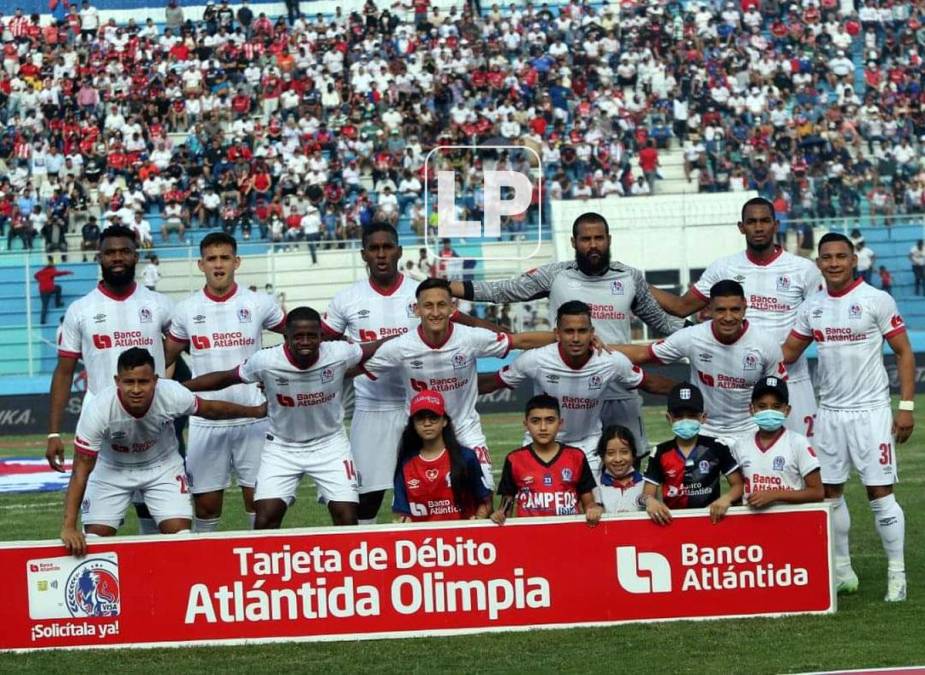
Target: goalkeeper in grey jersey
615 292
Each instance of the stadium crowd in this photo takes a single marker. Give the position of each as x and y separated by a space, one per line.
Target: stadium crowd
314 128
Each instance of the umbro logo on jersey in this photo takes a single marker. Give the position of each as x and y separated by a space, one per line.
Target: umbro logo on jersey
199 318
116 435
144 315
739 277
363 313
282 381
552 379
417 365
817 313
99 318
705 357
413 484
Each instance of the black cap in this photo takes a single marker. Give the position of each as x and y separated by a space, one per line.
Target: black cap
685 396
771 385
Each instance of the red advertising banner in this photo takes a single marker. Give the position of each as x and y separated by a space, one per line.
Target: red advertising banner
414 580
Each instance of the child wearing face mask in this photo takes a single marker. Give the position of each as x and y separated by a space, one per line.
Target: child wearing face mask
779 465
685 471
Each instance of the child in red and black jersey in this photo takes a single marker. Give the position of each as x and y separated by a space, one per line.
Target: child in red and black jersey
686 470
546 478
436 478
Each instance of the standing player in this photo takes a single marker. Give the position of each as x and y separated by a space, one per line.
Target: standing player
223 325
727 357
441 356
849 322
545 477
117 314
129 428
303 379
776 284
779 465
577 377
614 292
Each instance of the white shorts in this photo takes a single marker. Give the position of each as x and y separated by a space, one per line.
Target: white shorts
627 413
374 439
477 443
802 418
109 491
859 438
327 461
214 451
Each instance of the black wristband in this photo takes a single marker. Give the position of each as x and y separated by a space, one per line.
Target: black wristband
468 291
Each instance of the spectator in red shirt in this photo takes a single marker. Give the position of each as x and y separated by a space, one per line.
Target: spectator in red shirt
648 162
47 286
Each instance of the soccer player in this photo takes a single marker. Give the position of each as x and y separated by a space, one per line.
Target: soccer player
727 357
129 429
621 483
222 325
614 292
849 322
776 283
779 465
577 377
303 379
117 314
686 470
436 478
441 356
545 477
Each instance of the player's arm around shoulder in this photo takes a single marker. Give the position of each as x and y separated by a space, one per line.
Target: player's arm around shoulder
532 339
646 306
211 409
530 285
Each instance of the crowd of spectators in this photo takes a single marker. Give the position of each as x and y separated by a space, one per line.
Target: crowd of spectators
312 127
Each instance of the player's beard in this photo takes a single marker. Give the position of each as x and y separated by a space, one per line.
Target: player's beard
119 279
589 268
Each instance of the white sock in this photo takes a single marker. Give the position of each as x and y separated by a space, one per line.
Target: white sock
148 526
251 518
891 526
206 524
366 521
841 525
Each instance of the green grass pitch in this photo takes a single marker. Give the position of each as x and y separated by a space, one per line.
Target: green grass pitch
866 632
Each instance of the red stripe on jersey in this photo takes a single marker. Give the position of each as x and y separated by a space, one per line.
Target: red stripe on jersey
80 450
325 328
68 355
196 403
500 380
510 342
178 340
800 336
895 331
278 328
653 355
696 291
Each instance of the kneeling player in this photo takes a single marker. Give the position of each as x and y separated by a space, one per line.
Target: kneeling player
621 483
688 467
546 478
779 465
130 428
436 478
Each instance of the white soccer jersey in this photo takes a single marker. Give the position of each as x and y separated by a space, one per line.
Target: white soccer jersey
774 290
581 391
449 368
121 440
304 404
849 329
725 373
223 332
621 496
782 465
365 313
100 326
